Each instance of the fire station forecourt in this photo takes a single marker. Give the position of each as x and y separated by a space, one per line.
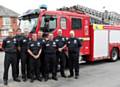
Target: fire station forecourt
99 74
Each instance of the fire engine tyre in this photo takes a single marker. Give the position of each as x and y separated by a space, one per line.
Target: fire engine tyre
114 54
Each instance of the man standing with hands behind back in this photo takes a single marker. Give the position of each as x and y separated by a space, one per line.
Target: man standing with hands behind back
10 46
73 45
61 43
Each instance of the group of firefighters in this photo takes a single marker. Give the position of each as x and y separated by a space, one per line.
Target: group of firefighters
40 56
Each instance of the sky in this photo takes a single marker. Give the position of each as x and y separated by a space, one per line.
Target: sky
20 6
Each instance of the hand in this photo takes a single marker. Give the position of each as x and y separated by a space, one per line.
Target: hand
36 56
60 49
19 48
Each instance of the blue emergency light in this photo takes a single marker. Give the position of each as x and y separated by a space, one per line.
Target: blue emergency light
43 6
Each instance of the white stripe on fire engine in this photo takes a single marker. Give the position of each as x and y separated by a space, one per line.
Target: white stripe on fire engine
84 38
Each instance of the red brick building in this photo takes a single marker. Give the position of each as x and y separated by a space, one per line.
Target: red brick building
8 20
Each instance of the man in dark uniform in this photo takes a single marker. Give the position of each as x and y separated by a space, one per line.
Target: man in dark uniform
34 49
10 46
50 57
24 57
61 43
73 45
42 41
18 38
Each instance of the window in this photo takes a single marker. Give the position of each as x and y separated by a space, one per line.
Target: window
63 23
4 32
49 23
6 21
28 24
76 23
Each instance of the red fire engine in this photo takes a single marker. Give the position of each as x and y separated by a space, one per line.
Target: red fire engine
99 41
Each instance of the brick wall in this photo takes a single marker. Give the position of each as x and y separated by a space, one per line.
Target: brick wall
1 22
14 23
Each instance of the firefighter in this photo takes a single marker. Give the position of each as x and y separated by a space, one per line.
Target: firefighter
40 39
18 38
73 45
61 43
34 49
50 58
24 57
10 45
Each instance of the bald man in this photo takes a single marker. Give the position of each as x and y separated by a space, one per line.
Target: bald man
50 57
61 57
73 45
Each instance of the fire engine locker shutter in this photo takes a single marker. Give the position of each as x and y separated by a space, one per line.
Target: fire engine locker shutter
100 43
114 36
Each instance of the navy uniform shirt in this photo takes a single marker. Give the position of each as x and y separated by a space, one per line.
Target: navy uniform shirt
42 41
73 45
10 45
24 43
18 38
34 46
61 41
50 47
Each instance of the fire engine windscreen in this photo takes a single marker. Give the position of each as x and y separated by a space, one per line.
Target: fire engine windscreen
29 25
48 23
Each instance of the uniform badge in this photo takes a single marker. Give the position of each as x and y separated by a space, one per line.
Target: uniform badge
75 41
68 42
47 44
43 40
63 39
32 45
14 39
56 40
54 43
66 38
8 41
24 40
38 44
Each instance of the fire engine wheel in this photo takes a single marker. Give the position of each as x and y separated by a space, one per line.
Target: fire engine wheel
115 54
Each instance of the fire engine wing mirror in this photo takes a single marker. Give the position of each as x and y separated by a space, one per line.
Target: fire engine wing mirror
81 40
46 20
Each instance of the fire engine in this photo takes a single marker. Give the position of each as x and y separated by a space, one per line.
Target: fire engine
99 41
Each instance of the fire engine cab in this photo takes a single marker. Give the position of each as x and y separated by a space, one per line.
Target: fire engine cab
99 41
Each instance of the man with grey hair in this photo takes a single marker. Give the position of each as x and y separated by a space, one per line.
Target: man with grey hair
73 45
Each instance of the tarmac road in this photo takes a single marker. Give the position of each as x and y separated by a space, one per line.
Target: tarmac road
99 74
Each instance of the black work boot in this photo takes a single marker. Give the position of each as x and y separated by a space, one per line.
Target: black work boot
5 82
24 79
17 80
39 79
76 77
31 80
63 75
46 78
54 78
70 76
